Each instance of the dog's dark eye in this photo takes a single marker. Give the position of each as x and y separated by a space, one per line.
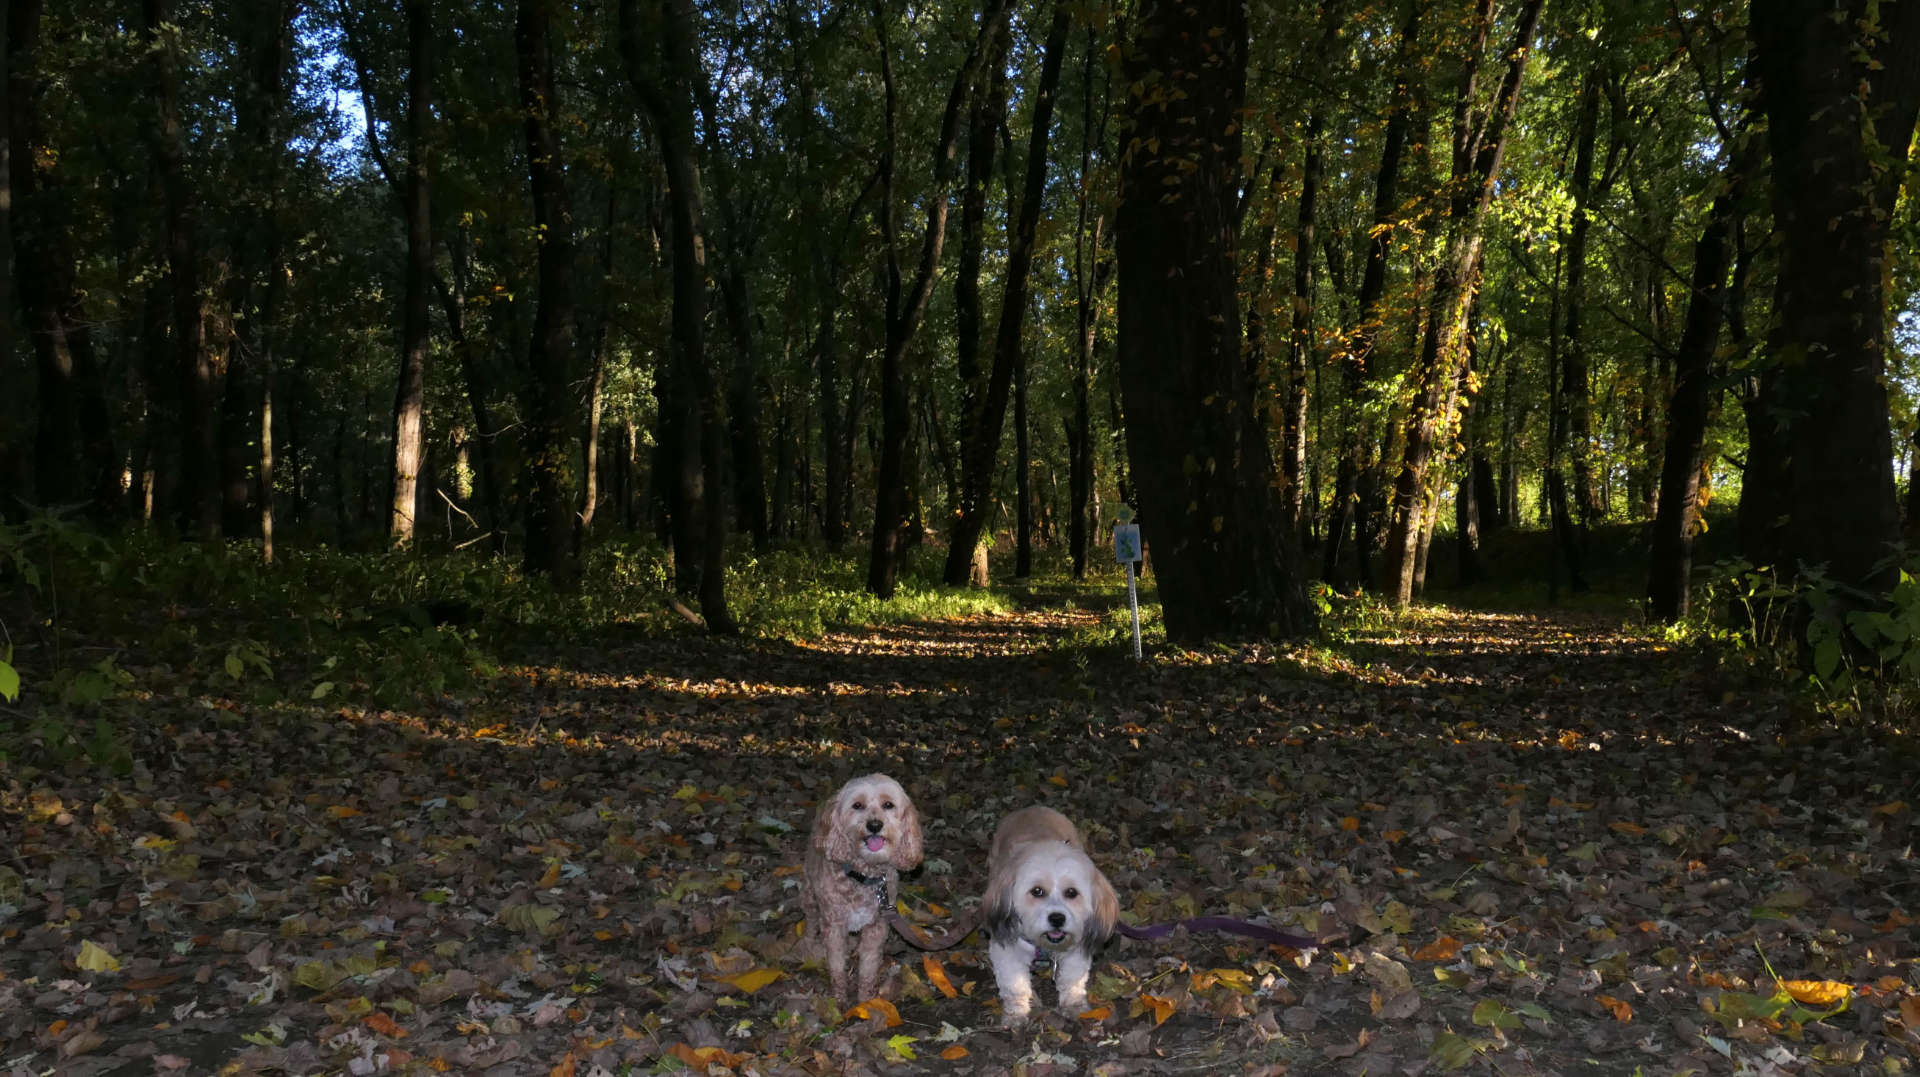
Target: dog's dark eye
1038 892
1070 893
859 805
888 805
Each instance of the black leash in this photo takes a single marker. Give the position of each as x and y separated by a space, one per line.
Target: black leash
1225 924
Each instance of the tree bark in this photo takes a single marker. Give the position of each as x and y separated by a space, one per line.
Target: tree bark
74 458
1358 352
550 424
1478 144
699 502
1671 555
1841 105
980 448
906 304
1575 390
409 405
1204 474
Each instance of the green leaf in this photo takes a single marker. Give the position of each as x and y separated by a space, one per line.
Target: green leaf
319 975
1489 1013
234 666
322 690
899 1045
1451 1050
9 683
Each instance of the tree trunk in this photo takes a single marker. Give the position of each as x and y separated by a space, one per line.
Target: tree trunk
1575 388
1354 430
409 405
1478 144
699 504
1671 560
906 304
980 450
550 424
1022 475
198 512
1293 411
1841 103
1204 475
985 117
74 458
1087 290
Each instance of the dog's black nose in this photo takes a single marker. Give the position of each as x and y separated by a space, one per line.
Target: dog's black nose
1057 919
875 826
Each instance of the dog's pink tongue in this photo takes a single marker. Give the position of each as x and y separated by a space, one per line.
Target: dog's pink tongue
875 843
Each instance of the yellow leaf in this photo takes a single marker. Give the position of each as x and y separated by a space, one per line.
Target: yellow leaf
954 1053
95 959
937 975
1098 1013
753 980
552 876
1444 948
1058 779
1629 829
1816 992
877 1005
1621 1011
343 811
702 1057
1162 1007
1349 824
566 1067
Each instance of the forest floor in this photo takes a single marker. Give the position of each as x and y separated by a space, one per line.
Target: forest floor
1572 850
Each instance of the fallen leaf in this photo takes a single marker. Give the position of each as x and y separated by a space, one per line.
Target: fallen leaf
954 1053
937 975
753 980
1162 1007
386 1026
94 958
1098 1013
1821 993
876 1006
1621 1010
1444 948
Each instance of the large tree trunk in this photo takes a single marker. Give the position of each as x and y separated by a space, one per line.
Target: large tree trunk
1201 464
1293 410
906 304
198 512
980 449
550 423
409 405
699 502
985 117
1355 433
1478 144
1671 561
1841 103
74 458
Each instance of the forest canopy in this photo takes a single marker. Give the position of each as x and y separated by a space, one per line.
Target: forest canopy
1307 284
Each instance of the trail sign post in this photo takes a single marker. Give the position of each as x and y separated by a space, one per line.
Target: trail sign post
1126 550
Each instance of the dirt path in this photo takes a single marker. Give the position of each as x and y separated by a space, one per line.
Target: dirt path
1572 849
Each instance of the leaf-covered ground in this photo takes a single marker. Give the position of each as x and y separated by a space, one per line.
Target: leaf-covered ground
1575 850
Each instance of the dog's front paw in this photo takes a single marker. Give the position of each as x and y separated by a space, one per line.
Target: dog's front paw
1075 1004
1014 1012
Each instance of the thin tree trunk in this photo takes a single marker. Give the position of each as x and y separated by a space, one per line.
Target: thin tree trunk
699 504
74 458
1575 388
906 304
409 406
550 545
1354 431
1478 145
980 452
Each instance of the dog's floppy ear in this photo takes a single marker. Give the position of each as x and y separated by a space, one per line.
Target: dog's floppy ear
1106 914
829 833
908 851
996 905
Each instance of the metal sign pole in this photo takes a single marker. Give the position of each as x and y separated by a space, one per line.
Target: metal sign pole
1133 603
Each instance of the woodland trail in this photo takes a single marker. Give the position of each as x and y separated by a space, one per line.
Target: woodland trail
1576 850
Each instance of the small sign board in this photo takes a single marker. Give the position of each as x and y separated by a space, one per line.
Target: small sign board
1126 543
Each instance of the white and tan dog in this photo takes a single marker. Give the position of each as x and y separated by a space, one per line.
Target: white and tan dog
863 837
1045 898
